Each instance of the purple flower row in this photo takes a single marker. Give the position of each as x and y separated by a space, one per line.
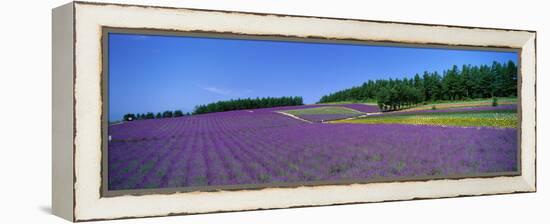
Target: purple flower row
450 110
261 146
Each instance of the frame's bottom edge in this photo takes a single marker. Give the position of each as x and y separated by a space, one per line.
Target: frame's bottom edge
303 206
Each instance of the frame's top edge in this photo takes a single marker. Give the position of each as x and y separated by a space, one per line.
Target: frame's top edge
311 39
299 16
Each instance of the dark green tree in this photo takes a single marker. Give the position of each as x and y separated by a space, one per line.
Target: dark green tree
178 113
167 114
129 117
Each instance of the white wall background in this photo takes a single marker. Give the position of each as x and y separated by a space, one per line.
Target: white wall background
25 112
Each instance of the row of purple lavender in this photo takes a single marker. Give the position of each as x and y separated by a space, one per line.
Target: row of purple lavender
261 146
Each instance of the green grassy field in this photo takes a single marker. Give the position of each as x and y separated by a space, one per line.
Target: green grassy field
442 104
502 119
323 110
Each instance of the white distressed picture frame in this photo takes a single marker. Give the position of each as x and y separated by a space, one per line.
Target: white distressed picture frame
77 110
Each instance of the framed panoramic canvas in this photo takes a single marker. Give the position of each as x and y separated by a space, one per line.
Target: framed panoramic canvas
162 111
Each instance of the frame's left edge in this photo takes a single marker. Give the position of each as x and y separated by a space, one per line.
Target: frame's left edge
62 111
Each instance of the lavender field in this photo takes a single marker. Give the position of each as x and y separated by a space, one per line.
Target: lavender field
263 146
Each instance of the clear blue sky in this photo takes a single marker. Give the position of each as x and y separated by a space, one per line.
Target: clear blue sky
157 73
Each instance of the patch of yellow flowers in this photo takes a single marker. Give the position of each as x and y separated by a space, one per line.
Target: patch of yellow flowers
503 121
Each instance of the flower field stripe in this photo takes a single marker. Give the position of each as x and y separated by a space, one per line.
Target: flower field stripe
502 119
262 146
512 107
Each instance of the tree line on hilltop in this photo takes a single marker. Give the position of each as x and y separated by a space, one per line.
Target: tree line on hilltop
248 103
468 82
221 106
151 115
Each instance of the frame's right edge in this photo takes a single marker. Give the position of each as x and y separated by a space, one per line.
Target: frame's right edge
528 112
